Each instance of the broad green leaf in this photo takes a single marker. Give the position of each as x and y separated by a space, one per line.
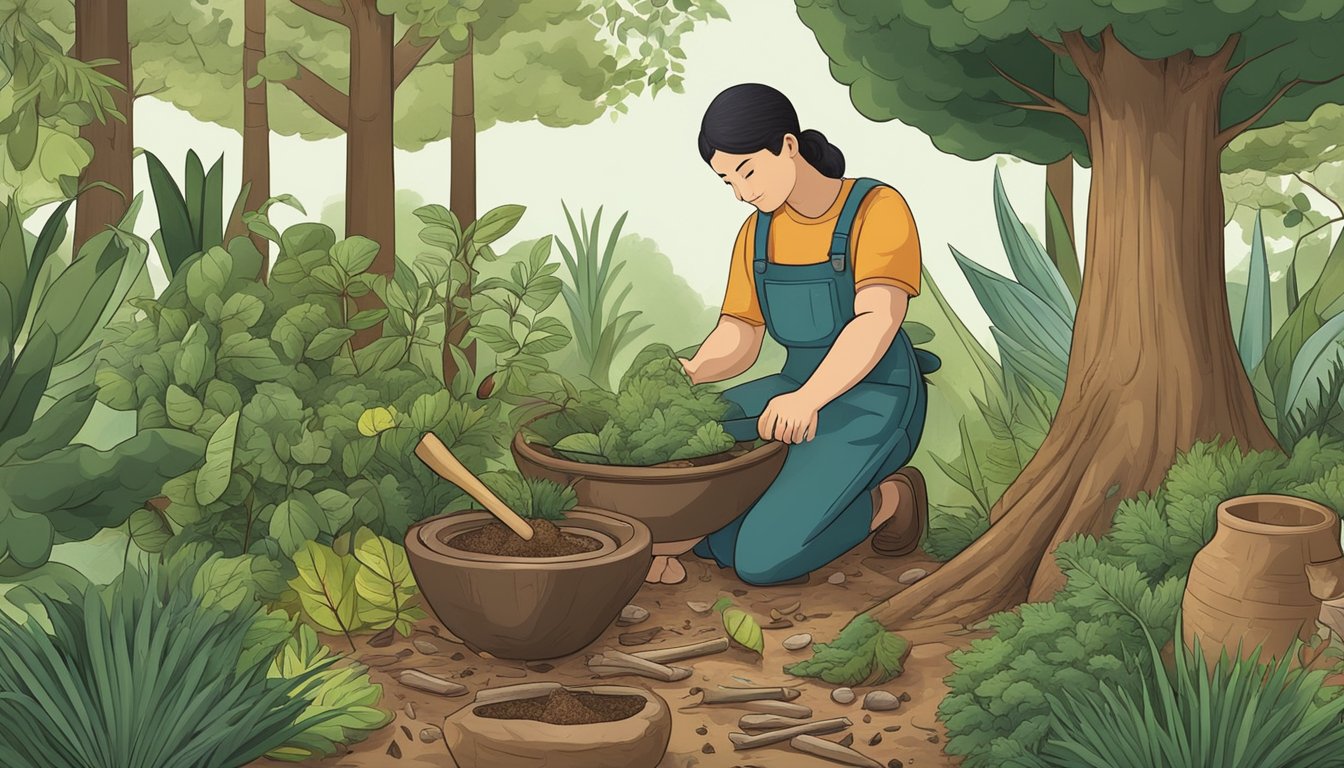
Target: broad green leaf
183 508
177 237
296 522
213 478
354 254
326 587
384 582
240 313
740 626
207 276
337 507
183 409
582 446
376 420
356 456
367 319
148 530
494 224
253 359
195 360
1316 358
313 448
327 343
864 653
223 397
1255 318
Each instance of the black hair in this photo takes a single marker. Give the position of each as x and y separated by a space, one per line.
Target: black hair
750 117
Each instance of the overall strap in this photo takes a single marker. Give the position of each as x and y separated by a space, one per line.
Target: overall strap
761 244
839 252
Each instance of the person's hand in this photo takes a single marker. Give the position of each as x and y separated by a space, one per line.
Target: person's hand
789 418
688 367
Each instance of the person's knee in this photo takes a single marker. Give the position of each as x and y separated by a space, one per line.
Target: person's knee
764 565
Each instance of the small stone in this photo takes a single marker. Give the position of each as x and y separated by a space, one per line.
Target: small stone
425 646
867 719
892 728
406 731
409 709
778 624
702 730
485 655
800 617
877 739
905 696
632 614
383 639
797 642
394 750
698 606
468 672
911 576
739 593
540 666
894 763
848 740
842 696
430 734
881 701
836 578
457 657
708 749
423 681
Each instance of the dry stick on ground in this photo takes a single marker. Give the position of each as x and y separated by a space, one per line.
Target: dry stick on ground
616 663
683 652
725 695
743 741
768 722
832 751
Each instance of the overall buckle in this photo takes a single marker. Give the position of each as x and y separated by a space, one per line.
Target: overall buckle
839 250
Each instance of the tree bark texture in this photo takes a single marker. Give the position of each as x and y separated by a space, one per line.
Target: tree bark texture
462 194
256 127
101 32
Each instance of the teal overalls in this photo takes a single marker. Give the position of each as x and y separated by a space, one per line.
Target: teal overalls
820 505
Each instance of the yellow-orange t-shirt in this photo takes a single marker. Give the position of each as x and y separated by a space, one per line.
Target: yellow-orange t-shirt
884 244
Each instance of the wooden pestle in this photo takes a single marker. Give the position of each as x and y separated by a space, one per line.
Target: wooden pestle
437 457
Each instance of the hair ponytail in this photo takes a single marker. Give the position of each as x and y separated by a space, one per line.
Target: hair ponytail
750 117
821 154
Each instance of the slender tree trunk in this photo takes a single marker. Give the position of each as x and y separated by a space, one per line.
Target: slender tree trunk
256 127
1153 368
462 192
1059 184
101 33
370 184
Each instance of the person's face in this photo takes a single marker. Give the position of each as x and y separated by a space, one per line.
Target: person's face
763 179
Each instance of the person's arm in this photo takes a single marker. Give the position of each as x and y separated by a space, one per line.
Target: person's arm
729 350
879 311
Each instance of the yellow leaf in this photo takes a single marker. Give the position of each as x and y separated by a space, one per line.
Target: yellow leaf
382 578
376 420
326 587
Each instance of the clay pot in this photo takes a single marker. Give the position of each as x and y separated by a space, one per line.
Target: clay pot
530 608
676 503
639 741
1261 579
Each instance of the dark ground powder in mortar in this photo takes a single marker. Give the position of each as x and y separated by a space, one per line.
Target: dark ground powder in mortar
547 541
562 707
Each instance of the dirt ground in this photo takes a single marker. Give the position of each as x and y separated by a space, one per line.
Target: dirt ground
910 735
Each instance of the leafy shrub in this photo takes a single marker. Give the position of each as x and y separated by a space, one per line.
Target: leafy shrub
1240 714
532 498
864 653
367 588
142 673
191 217
344 700
1127 582
656 415
50 490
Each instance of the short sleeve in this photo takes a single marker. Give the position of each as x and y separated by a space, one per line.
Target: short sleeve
739 299
886 249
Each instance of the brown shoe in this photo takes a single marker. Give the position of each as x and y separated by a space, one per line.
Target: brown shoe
901 534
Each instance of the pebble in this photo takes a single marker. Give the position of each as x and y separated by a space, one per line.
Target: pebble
842 696
905 696
708 749
409 709
800 617
848 740
457 657
702 730
867 719
836 578
892 728
912 575
698 607
425 646
394 750
540 666
430 734
797 642
894 763
881 701
877 739
632 614
423 681
406 731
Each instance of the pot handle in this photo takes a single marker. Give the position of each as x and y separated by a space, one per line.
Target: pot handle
1327 579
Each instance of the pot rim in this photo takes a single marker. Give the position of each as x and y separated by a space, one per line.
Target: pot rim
432 536
653 700
640 539
1226 516
635 474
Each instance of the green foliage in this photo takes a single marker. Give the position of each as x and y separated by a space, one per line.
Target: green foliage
1240 714
1256 322
741 626
344 700
532 498
1127 582
191 217
600 328
142 673
864 653
656 415
365 589
52 491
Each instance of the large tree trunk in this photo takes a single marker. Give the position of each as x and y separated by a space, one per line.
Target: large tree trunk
101 33
1059 184
370 185
462 193
256 127
1153 367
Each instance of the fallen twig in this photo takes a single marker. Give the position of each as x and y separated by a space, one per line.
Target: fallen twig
832 751
683 652
726 695
423 681
783 708
617 663
743 741
512 692
767 722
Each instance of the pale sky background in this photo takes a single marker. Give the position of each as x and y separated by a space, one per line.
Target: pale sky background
647 163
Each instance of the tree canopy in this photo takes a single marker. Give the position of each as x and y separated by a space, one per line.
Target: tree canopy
982 77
